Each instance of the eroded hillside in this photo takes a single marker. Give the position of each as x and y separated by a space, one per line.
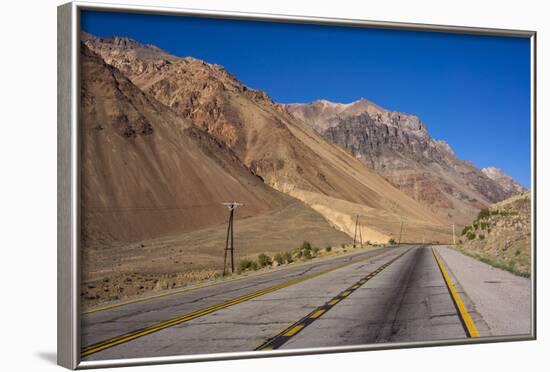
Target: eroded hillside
501 235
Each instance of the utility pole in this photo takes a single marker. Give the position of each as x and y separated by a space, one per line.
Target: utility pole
454 240
401 231
355 234
232 206
357 227
360 235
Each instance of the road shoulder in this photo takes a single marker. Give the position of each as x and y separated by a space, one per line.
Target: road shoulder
500 302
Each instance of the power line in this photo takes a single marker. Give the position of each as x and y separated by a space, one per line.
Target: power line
148 208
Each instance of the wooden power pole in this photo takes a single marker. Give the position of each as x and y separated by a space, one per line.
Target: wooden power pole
355 233
401 232
229 247
357 227
360 236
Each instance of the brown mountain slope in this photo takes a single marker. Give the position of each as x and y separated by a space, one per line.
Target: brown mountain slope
148 169
399 147
269 141
152 188
147 172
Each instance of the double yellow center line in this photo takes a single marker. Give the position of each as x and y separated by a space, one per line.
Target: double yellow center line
126 337
283 337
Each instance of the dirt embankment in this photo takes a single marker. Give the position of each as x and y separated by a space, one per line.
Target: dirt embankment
501 235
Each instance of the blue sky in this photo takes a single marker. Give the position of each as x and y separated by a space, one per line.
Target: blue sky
471 91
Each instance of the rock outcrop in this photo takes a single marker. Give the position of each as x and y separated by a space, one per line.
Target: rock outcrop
399 147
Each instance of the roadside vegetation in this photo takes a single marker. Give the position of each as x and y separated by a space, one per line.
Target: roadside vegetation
305 252
511 266
133 284
501 235
481 226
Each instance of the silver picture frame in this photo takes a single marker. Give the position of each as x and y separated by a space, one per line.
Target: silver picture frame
68 179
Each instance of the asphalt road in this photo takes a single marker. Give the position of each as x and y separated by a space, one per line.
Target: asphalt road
376 296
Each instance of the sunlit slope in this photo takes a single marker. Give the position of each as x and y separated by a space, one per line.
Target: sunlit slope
147 172
269 141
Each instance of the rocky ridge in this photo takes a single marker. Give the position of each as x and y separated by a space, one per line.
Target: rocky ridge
504 180
399 147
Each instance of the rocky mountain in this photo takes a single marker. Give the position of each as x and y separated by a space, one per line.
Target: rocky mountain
504 180
501 235
399 147
271 143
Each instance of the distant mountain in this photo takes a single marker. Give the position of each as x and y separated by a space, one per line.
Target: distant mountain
399 147
271 143
504 180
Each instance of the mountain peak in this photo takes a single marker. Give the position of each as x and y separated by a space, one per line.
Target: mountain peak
399 146
504 180
324 103
328 103
363 100
113 46
323 114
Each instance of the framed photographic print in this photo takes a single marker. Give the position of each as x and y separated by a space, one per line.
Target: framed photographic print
236 185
